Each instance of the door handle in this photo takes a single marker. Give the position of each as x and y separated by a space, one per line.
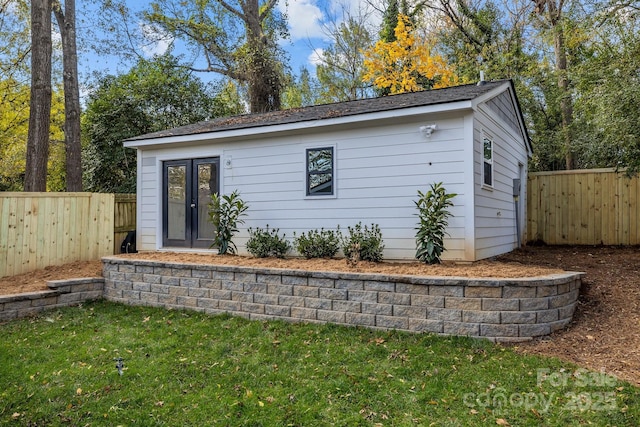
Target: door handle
193 205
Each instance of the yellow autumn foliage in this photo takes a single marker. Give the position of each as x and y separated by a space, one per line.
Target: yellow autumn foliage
398 65
14 127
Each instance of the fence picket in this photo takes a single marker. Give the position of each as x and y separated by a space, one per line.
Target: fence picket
42 229
584 207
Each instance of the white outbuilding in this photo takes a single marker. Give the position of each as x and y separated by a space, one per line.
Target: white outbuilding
340 164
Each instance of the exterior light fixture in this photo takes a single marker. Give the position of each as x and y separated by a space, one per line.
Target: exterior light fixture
427 130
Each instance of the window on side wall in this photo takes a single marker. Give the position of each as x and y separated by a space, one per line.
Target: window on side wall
487 163
320 172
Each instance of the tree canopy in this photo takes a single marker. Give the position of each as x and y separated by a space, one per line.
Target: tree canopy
407 64
341 66
14 125
154 95
236 39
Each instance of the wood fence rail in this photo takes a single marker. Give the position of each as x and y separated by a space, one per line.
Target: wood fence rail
42 229
583 207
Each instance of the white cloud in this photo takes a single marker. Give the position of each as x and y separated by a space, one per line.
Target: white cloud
156 41
305 19
369 8
315 57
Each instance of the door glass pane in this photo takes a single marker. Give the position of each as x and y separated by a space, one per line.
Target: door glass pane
207 185
176 202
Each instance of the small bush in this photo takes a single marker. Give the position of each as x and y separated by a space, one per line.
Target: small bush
318 244
224 213
433 214
366 241
267 243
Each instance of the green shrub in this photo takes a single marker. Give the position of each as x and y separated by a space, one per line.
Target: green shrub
224 214
318 244
433 215
267 243
366 241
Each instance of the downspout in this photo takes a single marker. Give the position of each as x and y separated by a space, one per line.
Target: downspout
516 197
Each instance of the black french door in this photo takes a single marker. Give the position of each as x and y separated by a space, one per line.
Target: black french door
187 188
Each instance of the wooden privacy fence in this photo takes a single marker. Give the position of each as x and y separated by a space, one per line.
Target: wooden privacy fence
583 207
124 215
42 229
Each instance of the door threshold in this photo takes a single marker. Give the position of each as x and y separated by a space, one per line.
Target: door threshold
189 250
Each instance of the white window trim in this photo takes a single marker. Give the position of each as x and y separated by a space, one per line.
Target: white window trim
334 172
484 161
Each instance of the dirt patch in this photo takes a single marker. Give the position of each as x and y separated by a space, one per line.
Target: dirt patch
37 280
605 332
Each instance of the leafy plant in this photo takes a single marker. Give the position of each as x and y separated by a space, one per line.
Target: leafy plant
318 244
267 243
367 242
433 215
224 213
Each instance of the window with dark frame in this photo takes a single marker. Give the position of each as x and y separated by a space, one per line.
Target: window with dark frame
487 161
320 174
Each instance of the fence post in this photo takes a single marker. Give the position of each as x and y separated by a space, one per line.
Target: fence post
124 214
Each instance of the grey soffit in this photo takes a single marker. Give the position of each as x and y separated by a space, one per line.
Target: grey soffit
330 111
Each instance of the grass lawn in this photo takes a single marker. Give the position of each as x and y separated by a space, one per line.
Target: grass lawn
187 368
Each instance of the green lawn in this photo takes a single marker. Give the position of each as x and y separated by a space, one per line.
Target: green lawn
186 368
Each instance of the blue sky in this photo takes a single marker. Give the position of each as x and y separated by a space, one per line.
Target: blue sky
307 19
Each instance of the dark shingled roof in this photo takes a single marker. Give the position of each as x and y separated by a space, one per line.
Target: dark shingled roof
328 111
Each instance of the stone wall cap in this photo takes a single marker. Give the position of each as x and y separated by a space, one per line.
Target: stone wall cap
412 279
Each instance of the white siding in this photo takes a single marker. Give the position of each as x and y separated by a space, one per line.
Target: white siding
379 169
495 216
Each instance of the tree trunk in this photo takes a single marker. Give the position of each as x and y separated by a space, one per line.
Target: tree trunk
554 19
566 103
40 104
263 77
67 23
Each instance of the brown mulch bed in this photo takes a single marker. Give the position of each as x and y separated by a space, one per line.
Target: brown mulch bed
605 332
37 280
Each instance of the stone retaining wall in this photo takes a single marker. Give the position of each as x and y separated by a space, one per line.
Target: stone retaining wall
62 293
496 309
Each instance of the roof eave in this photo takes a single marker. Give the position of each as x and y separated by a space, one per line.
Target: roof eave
298 126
